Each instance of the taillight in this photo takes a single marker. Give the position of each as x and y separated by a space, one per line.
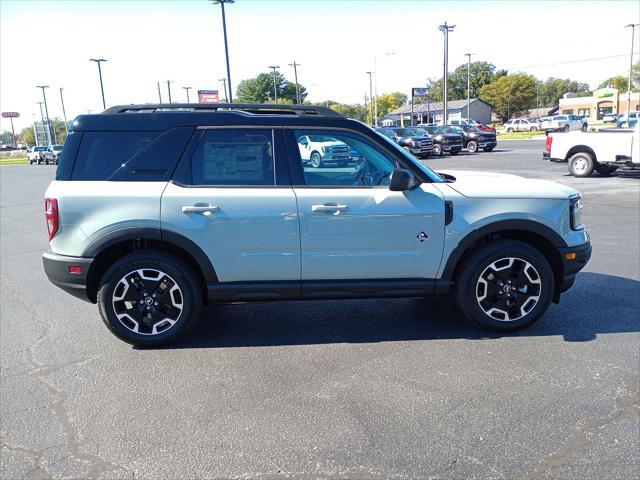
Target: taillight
51 215
547 145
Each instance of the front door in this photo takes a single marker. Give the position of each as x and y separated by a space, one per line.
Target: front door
353 227
229 204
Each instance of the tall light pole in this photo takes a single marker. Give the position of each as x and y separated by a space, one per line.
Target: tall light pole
226 46
468 55
275 88
159 94
99 61
64 113
375 73
633 31
186 89
169 89
445 28
224 84
370 96
35 132
295 76
46 111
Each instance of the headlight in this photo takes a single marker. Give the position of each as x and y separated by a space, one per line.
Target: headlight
575 213
412 143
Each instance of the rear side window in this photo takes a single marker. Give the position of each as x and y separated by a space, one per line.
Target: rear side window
68 155
102 153
234 157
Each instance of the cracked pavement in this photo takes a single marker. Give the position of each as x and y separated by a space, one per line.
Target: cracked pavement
339 389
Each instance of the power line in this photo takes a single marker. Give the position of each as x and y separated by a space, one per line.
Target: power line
594 59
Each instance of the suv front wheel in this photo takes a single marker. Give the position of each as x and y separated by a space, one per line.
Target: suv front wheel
504 286
149 298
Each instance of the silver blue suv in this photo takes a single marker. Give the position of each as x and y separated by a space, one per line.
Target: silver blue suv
158 210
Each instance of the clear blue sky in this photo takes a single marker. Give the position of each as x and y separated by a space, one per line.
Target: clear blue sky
50 42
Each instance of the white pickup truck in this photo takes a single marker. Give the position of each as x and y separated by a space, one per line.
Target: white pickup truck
563 123
604 151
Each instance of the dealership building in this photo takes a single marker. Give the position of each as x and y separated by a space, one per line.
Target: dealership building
432 112
602 102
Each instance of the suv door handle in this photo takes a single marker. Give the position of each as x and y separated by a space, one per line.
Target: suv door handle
199 208
327 207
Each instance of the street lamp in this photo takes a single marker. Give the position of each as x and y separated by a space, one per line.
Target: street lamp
226 46
35 131
186 89
370 96
275 89
64 113
295 73
169 89
468 55
633 31
224 84
375 73
46 111
445 28
159 93
98 61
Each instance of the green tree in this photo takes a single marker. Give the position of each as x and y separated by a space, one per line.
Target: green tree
388 102
27 136
635 76
552 90
480 74
620 82
357 111
510 95
260 89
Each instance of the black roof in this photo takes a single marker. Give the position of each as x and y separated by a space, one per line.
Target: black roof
160 117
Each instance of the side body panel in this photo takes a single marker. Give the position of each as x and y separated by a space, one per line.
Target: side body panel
606 145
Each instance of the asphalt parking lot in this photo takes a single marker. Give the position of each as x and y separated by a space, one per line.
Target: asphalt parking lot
339 389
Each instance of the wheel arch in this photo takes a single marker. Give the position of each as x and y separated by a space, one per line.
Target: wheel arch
539 236
581 149
110 247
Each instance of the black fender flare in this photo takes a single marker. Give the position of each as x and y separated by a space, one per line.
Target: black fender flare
524 226
176 239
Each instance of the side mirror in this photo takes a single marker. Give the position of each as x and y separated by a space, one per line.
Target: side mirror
402 180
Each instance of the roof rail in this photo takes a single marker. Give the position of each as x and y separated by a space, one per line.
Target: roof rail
274 108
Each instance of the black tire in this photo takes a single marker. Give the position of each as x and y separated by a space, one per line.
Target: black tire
315 159
509 130
581 164
169 266
566 128
605 170
475 301
584 127
472 146
488 149
532 129
437 150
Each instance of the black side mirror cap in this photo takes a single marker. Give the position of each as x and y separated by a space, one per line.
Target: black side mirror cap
402 180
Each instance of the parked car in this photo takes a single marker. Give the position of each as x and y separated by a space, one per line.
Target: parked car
474 139
471 122
36 155
521 125
214 207
563 123
412 140
604 151
52 154
443 141
611 117
629 120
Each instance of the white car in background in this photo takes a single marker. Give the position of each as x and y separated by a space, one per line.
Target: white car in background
564 123
36 155
521 125
321 151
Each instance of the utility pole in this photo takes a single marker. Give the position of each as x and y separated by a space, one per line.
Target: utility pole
64 113
633 31
226 46
169 89
159 94
445 28
98 61
370 97
47 131
295 74
468 55
186 89
275 89
46 111
224 83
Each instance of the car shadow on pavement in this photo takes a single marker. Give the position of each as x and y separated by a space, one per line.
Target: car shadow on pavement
598 304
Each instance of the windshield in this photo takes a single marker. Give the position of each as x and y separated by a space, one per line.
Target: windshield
321 138
39 149
387 132
57 148
451 129
560 117
405 132
434 130
419 131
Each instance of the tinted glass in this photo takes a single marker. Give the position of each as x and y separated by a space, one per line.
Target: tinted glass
404 132
68 155
234 157
342 159
102 153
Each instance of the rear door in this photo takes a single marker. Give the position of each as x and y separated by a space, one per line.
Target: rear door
231 197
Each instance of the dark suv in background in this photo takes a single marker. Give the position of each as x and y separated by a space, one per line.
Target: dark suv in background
472 138
442 141
416 142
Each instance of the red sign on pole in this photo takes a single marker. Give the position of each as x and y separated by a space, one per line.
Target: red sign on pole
10 114
208 96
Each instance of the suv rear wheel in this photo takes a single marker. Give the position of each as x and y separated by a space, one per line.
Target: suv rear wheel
505 286
149 298
472 146
581 164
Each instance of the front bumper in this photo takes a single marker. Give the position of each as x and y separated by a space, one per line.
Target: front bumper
487 144
448 147
57 269
573 260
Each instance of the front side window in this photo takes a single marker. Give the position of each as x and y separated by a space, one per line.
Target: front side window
234 157
332 158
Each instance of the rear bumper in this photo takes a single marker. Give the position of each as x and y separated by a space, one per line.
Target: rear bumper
573 266
57 269
547 156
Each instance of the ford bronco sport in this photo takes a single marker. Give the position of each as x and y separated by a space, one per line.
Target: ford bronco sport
157 210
